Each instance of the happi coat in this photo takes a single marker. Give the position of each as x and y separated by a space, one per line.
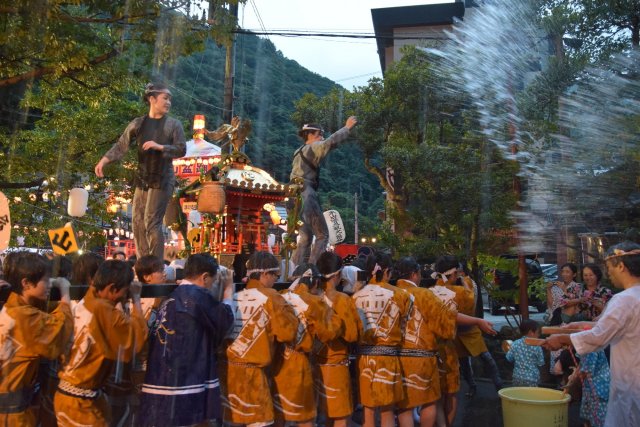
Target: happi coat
102 336
181 385
331 360
262 319
293 391
383 310
27 334
429 319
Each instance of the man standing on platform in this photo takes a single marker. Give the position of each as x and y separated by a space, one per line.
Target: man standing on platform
306 166
159 139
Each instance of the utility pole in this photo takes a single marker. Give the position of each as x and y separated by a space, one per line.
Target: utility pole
355 222
229 74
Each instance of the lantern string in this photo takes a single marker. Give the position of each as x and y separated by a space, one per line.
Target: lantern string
57 214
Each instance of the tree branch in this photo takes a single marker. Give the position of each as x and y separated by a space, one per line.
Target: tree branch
378 174
81 83
43 71
35 183
112 20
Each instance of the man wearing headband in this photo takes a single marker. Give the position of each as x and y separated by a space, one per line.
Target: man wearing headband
159 140
461 300
294 398
618 326
264 320
306 166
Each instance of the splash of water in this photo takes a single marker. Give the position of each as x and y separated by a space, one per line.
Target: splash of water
495 52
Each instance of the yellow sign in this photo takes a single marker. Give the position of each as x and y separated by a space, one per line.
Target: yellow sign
63 240
194 237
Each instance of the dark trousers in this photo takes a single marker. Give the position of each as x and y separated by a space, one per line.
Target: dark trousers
149 207
314 225
490 367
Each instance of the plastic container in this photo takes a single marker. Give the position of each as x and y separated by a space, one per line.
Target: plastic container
534 407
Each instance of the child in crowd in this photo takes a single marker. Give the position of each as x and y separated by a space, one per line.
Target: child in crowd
150 270
103 336
181 385
84 268
596 376
526 358
262 319
28 334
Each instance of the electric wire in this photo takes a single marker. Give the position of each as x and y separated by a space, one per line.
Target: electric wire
302 33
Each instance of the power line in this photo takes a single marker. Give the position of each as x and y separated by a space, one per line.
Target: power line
195 98
357 77
255 9
301 33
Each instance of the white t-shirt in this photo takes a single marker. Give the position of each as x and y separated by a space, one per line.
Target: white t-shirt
619 326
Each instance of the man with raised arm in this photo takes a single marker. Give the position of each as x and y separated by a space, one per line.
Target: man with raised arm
159 140
306 166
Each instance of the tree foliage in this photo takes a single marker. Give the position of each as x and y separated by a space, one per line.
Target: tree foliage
409 124
56 124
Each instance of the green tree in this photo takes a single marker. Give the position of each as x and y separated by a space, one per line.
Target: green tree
409 123
70 78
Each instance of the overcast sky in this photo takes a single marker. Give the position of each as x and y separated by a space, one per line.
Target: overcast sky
349 62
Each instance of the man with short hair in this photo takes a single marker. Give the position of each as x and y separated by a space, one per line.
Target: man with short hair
618 326
306 167
181 385
159 139
263 321
103 336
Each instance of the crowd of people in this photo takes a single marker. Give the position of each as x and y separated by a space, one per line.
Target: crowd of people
252 357
394 344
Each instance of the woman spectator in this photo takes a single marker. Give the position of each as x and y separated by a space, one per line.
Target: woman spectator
570 298
594 296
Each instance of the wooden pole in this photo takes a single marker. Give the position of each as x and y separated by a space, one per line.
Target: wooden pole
229 75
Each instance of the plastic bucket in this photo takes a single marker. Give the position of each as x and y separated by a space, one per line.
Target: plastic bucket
534 407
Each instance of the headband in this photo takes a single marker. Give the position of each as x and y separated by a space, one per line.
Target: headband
376 268
262 270
310 127
621 252
330 275
449 272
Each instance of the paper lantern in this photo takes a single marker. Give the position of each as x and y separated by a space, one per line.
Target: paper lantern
77 205
275 217
335 226
198 122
